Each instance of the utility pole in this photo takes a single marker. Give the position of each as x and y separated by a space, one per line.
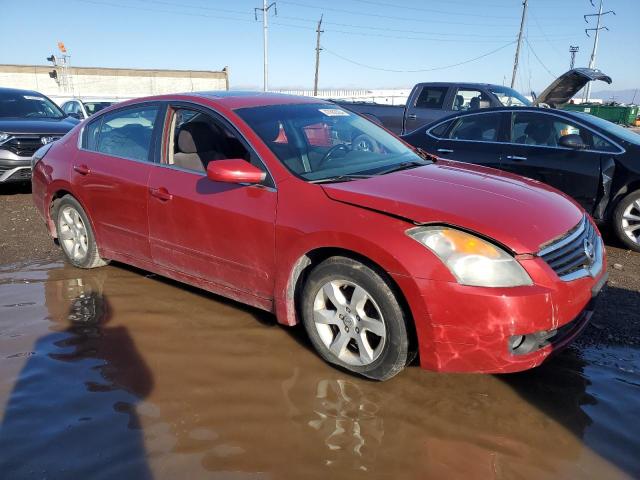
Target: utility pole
318 32
573 50
592 60
515 61
265 33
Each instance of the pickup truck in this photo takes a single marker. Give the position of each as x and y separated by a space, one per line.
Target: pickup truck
430 101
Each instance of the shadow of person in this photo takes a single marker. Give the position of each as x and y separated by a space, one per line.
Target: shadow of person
71 413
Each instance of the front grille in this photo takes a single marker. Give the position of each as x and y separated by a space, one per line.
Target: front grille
26 146
577 254
22 174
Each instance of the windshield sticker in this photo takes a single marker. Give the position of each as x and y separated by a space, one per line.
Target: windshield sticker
30 97
334 112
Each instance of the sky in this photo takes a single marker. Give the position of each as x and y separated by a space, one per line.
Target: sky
366 43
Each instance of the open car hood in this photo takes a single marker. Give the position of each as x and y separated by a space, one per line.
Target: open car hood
567 85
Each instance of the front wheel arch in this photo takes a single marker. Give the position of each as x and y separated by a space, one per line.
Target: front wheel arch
303 266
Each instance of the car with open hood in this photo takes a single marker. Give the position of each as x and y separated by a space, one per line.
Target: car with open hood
430 101
28 120
304 209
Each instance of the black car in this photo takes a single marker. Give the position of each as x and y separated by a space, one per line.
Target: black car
28 120
594 161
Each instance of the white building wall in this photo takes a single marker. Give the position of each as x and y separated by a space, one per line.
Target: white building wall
110 82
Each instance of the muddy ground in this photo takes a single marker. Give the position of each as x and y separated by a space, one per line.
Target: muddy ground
115 373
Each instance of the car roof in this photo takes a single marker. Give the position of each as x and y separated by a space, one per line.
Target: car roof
460 84
230 99
20 91
234 99
565 113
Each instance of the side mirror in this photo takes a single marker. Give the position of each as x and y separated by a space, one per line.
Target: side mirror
572 141
234 170
75 115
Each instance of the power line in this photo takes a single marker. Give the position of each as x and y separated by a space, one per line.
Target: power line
371 67
538 58
365 14
431 10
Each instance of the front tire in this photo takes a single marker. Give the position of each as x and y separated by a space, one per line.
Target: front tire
626 221
75 234
354 320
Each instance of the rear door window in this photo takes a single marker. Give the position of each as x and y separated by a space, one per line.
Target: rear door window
476 127
128 133
469 99
431 97
541 129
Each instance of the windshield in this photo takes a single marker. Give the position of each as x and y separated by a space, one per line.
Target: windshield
322 141
509 97
93 107
28 105
612 128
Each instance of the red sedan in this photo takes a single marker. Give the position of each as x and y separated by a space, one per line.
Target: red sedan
301 208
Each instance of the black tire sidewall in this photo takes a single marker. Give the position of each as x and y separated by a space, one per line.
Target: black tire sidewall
395 353
617 220
92 248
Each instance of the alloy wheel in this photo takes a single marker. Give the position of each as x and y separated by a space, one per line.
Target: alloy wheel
631 221
349 322
72 234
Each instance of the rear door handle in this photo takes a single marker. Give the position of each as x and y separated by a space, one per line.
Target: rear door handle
516 158
81 169
445 150
161 194
412 116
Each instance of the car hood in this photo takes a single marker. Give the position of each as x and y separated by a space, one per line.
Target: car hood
519 213
567 85
39 125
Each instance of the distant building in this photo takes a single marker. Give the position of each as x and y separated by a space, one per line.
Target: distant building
116 83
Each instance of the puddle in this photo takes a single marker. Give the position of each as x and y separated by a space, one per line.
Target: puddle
109 373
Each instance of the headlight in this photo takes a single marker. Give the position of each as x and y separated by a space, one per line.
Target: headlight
3 137
472 260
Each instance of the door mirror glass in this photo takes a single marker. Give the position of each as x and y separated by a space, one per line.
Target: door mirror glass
235 170
572 141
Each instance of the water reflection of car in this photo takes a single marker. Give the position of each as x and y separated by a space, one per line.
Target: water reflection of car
302 208
82 109
594 161
28 120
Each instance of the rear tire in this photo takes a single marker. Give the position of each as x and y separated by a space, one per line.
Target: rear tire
626 221
354 319
75 234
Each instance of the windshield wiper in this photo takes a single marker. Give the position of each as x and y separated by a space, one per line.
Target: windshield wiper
342 178
403 166
426 155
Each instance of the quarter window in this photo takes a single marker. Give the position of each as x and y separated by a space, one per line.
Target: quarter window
127 133
476 127
431 97
441 129
91 134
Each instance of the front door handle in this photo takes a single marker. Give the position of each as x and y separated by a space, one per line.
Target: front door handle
516 158
445 150
412 116
161 194
82 169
